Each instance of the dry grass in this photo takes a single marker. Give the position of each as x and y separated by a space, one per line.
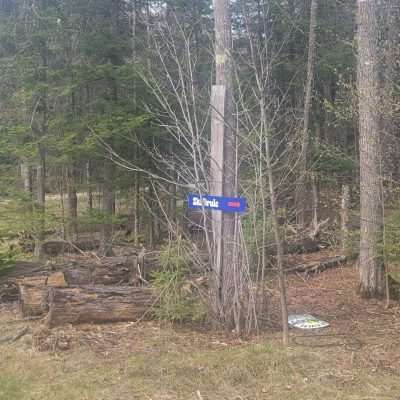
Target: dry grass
158 362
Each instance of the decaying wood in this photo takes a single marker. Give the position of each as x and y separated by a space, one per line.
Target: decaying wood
20 269
8 292
56 247
98 304
32 296
318 266
301 247
112 271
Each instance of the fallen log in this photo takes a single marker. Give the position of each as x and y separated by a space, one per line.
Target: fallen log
96 304
54 248
300 247
106 271
318 266
20 269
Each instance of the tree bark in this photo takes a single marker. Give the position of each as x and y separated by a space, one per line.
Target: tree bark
136 209
277 235
107 210
26 174
72 203
344 216
32 296
390 137
96 304
223 166
371 254
301 195
89 187
41 202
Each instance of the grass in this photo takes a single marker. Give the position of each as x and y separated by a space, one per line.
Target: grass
167 367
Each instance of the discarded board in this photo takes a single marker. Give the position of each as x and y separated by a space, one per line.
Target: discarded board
306 321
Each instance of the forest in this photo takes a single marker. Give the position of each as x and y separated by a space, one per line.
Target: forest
180 180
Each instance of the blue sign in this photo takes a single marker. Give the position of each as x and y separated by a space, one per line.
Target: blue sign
226 204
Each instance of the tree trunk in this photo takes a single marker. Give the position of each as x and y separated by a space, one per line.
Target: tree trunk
41 202
72 203
136 209
96 304
371 254
344 216
172 189
223 168
107 210
277 234
390 141
89 187
301 195
26 175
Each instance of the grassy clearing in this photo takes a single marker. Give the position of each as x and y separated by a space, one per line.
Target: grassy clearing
168 367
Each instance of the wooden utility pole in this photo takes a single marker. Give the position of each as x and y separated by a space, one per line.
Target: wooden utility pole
223 166
371 254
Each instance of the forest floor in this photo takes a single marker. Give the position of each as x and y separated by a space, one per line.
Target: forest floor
356 357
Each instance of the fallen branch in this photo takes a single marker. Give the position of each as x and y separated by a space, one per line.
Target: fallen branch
15 337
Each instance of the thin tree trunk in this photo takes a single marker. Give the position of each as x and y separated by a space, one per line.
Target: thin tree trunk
107 210
277 235
301 198
26 175
41 201
72 203
136 209
62 203
344 216
371 254
89 187
315 202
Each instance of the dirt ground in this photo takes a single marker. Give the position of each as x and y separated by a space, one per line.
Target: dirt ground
356 357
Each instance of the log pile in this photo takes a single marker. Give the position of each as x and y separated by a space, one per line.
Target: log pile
97 290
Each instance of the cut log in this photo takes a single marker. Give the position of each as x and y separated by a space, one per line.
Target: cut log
318 266
20 269
32 296
33 293
8 292
9 277
107 271
95 304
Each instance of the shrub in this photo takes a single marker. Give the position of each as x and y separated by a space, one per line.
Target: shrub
178 303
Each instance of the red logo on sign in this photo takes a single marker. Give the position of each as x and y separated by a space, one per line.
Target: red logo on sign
234 204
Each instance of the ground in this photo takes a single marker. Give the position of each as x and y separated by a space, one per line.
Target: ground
356 358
